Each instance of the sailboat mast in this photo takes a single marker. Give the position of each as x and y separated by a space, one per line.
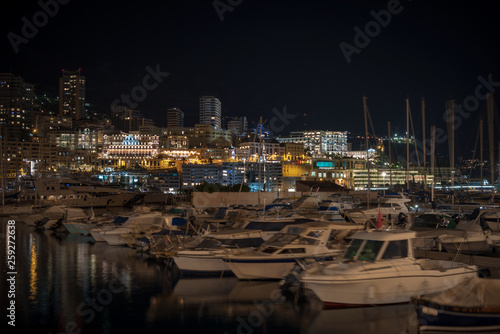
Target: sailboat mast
408 144
433 158
450 112
365 109
260 152
481 154
390 153
423 143
489 103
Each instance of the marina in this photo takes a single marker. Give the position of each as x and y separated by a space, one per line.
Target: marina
246 167
290 270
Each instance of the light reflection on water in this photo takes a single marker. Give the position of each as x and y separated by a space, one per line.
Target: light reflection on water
66 284
33 272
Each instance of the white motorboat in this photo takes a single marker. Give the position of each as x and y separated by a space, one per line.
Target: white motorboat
107 224
379 268
429 227
390 208
277 257
272 225
54 212
469 237
490 219
206 257
338 203
139 226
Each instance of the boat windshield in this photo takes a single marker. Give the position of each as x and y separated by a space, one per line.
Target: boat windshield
281 239
364 250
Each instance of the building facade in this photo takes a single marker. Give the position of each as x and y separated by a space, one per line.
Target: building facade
16 107
72 94
175 118
210 111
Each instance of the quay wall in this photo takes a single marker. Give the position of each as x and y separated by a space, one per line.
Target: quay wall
217 199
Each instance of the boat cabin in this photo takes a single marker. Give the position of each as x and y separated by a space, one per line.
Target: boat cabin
295 239
378 245
231 239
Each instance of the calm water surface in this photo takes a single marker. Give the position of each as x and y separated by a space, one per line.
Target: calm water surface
67 284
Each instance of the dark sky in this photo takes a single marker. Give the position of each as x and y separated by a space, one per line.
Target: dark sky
268 54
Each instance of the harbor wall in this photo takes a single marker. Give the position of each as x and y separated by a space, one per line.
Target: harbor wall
218 199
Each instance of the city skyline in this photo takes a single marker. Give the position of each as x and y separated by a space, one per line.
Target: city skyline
318 61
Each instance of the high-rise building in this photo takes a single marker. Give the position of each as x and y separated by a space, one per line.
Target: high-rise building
175 118
16 107
210 111
72 94
238 125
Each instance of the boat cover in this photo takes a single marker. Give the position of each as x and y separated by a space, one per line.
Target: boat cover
476 292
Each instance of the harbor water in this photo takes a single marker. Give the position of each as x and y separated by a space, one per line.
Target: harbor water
66 283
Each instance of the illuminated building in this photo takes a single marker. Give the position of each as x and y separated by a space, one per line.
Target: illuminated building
128 149
16 107
72 94
319 143
175 118
210 111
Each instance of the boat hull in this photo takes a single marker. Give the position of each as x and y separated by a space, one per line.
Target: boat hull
383 290
261 268
435 317
201 264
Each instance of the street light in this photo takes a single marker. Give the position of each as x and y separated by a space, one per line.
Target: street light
383 178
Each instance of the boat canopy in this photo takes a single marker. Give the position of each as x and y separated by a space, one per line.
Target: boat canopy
476 292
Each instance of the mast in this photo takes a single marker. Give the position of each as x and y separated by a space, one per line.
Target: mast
433 158
481 153
390 154
423 143
489 103
365 109
260 153
408 144
450 112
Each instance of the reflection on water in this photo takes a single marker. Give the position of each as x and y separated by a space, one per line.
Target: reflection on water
66 283
33 272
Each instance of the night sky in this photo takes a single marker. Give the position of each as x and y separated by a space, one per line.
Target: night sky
265 55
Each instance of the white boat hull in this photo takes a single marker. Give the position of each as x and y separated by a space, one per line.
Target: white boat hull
398 287
113 239
272 269
200 264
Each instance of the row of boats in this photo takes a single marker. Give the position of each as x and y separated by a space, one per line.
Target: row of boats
330 251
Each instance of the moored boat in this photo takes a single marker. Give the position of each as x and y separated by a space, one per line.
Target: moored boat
206 257
379 268
277 257
468 307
